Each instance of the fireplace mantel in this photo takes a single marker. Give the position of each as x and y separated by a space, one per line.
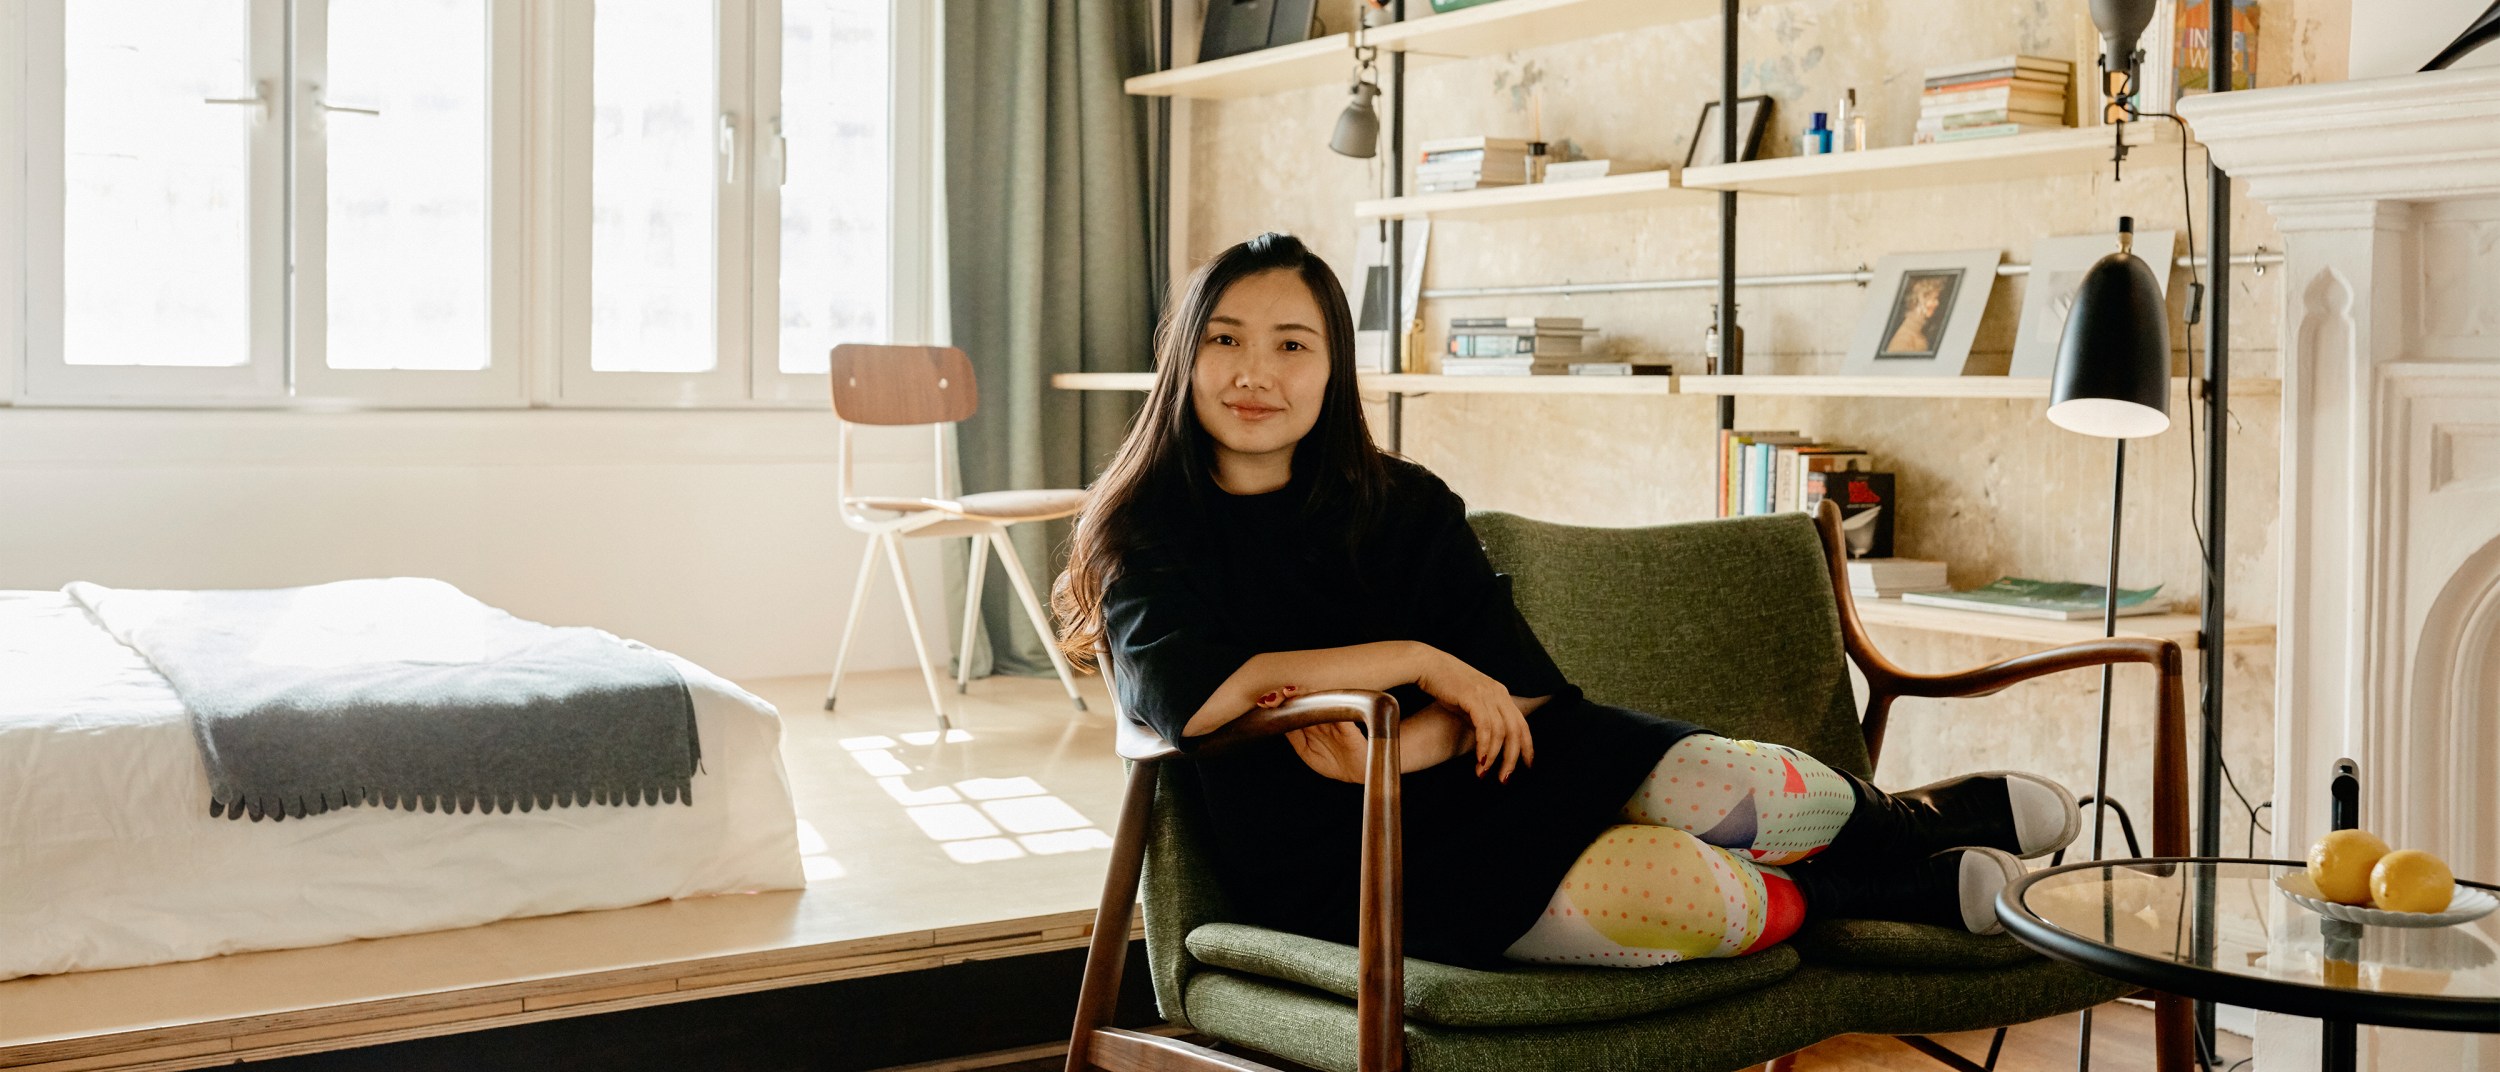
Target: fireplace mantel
2388 639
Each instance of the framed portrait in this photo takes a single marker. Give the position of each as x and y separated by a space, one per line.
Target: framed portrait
1922 311
1752 114
2057 267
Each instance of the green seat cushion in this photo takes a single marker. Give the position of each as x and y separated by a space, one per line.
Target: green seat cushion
1875 943
1525 996
1728 1032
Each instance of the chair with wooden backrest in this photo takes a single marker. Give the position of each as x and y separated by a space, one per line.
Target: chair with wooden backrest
1745 625
932 385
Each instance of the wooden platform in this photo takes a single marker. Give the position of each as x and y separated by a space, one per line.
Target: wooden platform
920 853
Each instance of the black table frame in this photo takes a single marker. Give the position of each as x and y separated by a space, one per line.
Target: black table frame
2339 1009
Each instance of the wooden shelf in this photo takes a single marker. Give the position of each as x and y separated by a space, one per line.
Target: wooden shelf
1487 30
1640 189
2178 627
1918 386
1740 386
1407 383
2021 156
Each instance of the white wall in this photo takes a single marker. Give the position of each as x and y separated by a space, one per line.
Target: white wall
2399 36
712 534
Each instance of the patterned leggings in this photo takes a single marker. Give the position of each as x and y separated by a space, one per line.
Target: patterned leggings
1692 871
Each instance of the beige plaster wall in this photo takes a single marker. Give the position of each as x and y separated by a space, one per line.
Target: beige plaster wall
1988 485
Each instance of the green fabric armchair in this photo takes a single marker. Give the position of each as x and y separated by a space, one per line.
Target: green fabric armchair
1744 625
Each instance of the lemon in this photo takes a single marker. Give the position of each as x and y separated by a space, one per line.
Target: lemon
2410 880
2340 865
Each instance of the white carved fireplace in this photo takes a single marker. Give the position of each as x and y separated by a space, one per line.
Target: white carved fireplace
2388 194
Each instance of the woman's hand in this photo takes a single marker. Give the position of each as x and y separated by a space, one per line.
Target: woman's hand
1501 728
1334 749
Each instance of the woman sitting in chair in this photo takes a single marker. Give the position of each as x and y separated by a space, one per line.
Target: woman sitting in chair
1250 543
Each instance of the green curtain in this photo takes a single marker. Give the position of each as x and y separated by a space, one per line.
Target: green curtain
1048 263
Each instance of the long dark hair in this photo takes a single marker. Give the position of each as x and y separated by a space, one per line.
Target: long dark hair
1164 474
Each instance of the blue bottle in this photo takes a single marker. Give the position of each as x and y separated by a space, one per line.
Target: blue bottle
1817 140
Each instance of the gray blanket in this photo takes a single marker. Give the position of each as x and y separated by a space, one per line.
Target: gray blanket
406 693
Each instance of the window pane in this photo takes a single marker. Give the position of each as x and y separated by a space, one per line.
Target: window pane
655 124
407 199
156 206
834 98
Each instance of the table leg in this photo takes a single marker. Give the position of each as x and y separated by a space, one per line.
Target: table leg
2339 1051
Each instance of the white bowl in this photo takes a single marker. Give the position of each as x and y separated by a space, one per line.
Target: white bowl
2467 904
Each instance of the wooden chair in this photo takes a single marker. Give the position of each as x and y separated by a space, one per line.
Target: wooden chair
932 385
1740 624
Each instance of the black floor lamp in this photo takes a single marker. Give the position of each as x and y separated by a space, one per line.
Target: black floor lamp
2113 381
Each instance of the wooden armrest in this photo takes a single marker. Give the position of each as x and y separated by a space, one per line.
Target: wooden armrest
1377 712
1996 677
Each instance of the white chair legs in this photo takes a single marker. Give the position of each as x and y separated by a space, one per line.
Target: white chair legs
890 544
1033 612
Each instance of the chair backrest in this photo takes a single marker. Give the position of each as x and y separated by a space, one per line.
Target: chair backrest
1730 624
902 384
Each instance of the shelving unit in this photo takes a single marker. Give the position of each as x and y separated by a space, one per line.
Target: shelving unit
1462 34
2021 156
1713 386
2178 627
1637 190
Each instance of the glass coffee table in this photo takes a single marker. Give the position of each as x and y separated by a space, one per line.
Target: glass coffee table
2217 929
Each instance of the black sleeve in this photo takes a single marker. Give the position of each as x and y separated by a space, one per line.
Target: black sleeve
1169 651
1468 611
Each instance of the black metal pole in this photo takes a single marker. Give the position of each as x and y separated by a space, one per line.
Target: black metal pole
2212 657
1728 363
1398 332
1159 259
2100 764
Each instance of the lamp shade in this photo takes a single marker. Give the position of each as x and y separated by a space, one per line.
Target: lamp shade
2113 363
1358 127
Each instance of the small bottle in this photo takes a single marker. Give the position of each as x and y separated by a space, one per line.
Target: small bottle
1853 128
1710 343
1841 118
1535 163
1817 140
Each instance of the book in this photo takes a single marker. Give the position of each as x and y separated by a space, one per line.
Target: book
1474 141
1472 156
2041 64
1999 106
1884 578
1966 120
1760 463
1997 130
1995 80
1547 323
1621 368
2053 600
1867 506
1501 345
1938 100
1796 462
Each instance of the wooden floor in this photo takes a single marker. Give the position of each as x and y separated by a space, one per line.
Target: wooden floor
920 852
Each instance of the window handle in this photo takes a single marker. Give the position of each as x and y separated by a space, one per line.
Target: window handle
729 145
259 100
324 104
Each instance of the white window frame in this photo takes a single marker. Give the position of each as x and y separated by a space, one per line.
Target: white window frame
912 135
733 173
539 305
501 382
48 376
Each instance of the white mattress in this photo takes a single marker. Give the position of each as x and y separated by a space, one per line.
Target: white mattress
108 857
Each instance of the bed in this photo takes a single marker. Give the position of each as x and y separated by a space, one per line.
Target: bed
109 858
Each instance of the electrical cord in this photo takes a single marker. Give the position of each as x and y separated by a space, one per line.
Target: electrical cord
2196 494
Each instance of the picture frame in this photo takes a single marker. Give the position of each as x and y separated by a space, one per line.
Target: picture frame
1753 114
2057 268
1922 311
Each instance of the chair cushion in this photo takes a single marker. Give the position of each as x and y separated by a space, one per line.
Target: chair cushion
1875 943
1032 504
1520 997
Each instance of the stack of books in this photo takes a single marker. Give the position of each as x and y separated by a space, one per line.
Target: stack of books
1513 345
1767 472
1885 578
1993 98
1453 164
